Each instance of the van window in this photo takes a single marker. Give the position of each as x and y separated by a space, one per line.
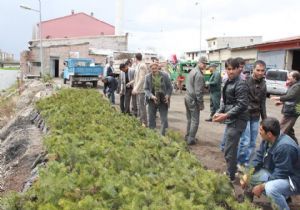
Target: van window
276 75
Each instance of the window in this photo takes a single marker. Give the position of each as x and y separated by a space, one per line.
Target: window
36 64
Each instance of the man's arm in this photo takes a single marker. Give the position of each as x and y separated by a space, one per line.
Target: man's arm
263 110
199 85
216 79
142 71
291 94
147 87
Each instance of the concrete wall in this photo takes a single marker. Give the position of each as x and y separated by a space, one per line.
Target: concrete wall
273 58
223 42
249 55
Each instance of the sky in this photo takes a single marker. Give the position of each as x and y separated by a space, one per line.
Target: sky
165 26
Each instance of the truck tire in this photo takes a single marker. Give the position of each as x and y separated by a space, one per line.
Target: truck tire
95 84
71 81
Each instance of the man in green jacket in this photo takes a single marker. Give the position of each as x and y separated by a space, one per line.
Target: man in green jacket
214 84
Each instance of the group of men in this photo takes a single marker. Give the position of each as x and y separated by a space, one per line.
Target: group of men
242 104
147 91
277 162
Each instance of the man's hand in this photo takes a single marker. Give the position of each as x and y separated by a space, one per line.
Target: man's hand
244 181
167 99
134 92
258 189
220 117
201 106
154 99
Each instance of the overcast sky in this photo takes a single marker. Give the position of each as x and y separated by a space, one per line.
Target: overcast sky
167 26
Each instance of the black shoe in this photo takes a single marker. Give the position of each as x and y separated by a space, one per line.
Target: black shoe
208 120
288 200
191 142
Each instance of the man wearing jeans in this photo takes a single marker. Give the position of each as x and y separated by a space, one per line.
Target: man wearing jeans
233 112
256 108
276 166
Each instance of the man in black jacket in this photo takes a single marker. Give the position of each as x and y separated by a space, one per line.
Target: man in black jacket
233 111
290 102
256 108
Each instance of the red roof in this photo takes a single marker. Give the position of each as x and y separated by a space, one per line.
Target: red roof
75 25
279 44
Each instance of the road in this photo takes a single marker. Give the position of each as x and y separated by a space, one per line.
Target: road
7 78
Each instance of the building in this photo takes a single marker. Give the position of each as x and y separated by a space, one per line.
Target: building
4 56
75 25
68 37
281 53
215 43
194 55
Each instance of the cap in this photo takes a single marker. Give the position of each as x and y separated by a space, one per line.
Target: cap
214 65
203 59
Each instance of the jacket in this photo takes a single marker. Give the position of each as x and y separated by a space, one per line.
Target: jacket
123 80
195 86
235 100
281 159
290 101
257 98
139 77
215 82
166 86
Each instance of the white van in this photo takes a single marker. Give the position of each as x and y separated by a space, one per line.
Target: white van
276 81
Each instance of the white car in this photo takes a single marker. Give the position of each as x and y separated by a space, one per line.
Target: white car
276 81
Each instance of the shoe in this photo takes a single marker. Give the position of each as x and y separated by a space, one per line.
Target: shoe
191 143
208 120
288 200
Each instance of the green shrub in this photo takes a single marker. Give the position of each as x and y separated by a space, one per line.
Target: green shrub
106 160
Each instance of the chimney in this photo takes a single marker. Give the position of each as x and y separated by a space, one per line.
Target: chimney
72 12
92 14
119 18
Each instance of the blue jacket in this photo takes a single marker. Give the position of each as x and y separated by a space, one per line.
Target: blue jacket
281 159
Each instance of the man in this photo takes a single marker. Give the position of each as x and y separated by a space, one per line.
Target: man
125 89
256 108
111 85
194 99
158 89
138 87
233 111
214 84
276 166
241 63
110 69
290 102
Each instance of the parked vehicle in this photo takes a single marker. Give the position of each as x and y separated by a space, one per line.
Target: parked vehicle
276 81
81 70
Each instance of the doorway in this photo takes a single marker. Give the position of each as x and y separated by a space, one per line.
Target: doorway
55 67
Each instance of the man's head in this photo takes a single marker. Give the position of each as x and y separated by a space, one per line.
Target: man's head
212 68
232 68
259 69
111 63
154 67
124 67
293 77
269 129
202 62
129 62
139 56
241 62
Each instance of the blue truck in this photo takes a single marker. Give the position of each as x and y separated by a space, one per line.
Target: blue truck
81 70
